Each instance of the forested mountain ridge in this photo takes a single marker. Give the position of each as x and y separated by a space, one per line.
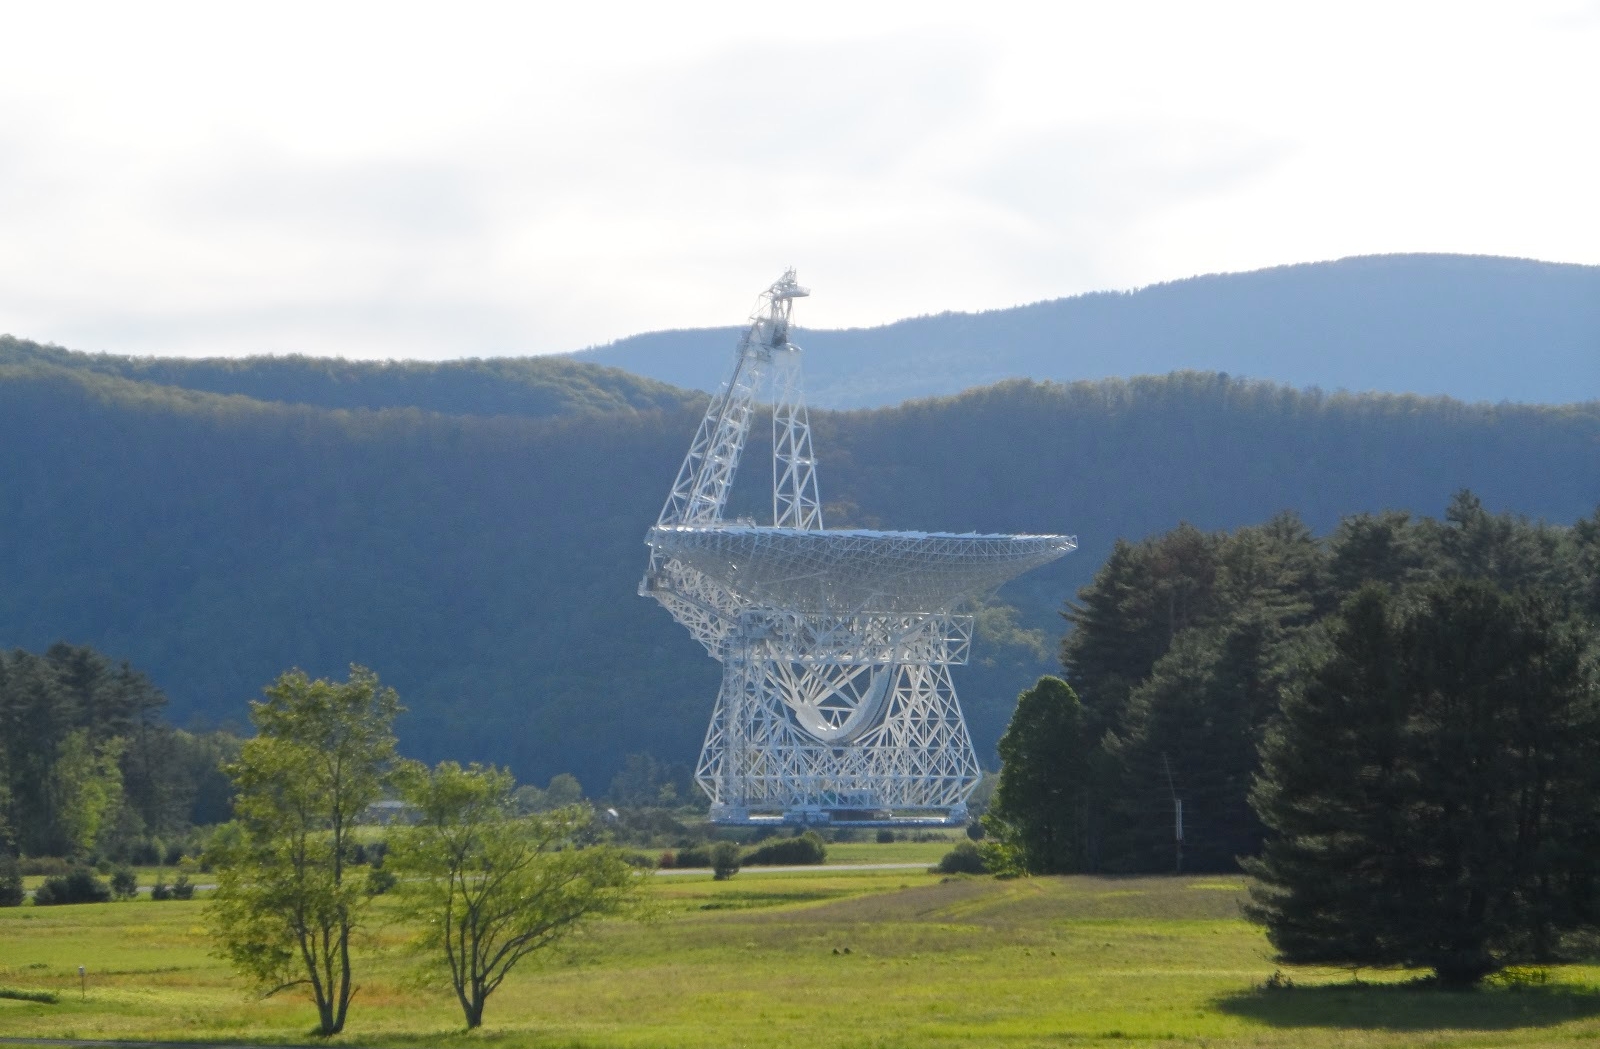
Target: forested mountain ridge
536 387
1476 328
487 567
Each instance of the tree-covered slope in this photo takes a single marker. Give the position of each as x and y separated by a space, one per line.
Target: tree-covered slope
1475 328
528 386
487 566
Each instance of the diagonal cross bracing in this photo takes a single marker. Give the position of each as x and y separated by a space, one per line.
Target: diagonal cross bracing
836 701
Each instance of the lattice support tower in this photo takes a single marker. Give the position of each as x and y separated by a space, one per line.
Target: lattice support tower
836 703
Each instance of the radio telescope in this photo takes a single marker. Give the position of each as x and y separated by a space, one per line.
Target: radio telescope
836 645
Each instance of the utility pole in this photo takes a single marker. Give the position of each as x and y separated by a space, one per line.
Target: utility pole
1177 816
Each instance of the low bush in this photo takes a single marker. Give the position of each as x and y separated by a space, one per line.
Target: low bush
182 889
161 891
373 854
77 886
806 850
724 860
963 859
885 836
380 880
124 884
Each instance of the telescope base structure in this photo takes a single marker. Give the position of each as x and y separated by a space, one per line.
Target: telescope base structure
886 745
836 645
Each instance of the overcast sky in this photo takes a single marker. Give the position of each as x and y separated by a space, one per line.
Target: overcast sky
447 180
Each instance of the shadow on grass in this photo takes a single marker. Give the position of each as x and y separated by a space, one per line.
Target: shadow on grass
1415 1006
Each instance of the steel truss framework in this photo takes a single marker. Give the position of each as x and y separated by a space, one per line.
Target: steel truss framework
836 700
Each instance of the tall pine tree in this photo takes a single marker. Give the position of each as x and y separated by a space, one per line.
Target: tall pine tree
1432 788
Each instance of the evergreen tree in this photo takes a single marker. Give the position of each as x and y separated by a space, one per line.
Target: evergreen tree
1217 612
1140 599
1433 786
1388 548
67 718
1191 735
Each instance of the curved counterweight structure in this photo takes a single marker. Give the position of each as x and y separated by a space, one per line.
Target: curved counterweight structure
836 703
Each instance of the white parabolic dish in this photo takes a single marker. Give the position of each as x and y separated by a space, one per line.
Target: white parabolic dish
836 645
845 571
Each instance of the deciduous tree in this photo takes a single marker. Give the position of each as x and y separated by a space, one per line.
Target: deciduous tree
489 887
1040 811
288 898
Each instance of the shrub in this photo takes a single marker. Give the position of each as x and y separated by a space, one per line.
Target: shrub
724 860
667 860
963 859
695 856
174 854
380 880
806 850
885 836
975 831
182 889
78 886
124 885
11 893
161 890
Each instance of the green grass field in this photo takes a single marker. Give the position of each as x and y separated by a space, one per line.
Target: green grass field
816 959
928 852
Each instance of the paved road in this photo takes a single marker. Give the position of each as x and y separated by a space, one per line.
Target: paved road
813 867
145 889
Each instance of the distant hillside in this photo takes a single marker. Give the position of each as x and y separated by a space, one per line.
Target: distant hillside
486 566
527 386
1471 327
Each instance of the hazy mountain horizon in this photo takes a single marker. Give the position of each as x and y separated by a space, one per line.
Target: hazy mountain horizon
1475 328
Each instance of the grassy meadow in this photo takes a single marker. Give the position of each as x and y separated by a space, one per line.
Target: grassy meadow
821 958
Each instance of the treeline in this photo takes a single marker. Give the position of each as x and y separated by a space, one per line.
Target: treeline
489 565
88 771
1184 645
534 387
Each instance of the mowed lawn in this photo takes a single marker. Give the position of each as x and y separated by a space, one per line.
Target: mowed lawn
815 959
